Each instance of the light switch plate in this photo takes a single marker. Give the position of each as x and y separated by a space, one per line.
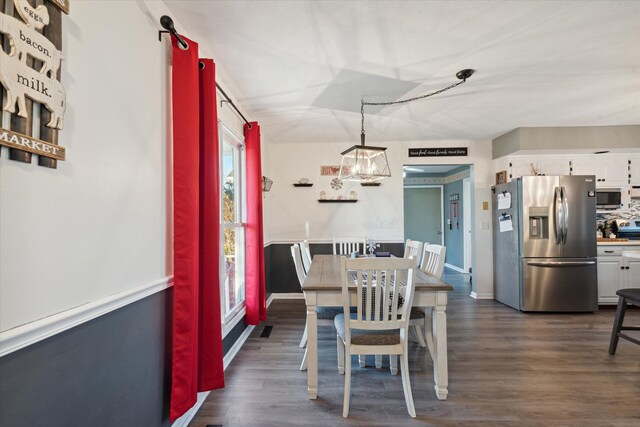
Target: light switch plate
485 206
484 225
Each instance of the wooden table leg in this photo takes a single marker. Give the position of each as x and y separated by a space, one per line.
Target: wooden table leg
440 368
312 345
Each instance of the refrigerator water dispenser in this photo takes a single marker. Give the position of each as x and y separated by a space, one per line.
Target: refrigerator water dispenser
539 222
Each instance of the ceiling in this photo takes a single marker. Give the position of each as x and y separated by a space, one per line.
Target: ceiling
300 68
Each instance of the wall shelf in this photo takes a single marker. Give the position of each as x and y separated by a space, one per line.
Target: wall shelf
370 184
303 185
337 201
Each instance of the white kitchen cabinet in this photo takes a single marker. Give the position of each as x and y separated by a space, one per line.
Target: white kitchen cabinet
632 271
610 172
610 274
616 272
545 165
634 169
584 165
616 171
520 166
554 165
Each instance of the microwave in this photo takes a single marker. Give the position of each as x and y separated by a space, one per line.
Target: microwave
608 199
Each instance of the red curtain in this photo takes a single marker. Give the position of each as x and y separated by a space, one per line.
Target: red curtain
197 342
255 293
210 362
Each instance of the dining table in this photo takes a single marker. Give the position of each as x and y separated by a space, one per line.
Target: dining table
323 288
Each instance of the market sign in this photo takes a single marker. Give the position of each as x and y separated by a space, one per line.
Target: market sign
63 5
31 145
29 75
438 152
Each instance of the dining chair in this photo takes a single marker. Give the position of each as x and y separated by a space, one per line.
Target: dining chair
306 255
349 245
379 326
433 260
413 248
325 314
433 257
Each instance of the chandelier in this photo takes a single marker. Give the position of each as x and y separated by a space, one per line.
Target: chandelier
362 163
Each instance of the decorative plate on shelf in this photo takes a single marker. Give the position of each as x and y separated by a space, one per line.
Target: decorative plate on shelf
336 184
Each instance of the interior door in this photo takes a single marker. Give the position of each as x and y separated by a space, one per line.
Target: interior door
423 214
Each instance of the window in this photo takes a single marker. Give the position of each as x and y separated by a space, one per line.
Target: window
233 223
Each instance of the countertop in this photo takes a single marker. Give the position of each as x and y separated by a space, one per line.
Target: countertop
628 243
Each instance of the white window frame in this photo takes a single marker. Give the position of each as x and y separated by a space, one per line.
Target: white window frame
230 320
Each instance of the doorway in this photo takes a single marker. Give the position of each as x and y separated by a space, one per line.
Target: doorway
466 214
438 209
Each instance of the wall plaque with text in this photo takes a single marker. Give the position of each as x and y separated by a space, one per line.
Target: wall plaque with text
30 80
438 152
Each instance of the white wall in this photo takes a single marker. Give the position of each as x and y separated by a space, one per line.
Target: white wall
99 224
378 212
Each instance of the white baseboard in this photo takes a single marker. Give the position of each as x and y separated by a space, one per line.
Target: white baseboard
453 267
185 419
484 295
25 335
284 295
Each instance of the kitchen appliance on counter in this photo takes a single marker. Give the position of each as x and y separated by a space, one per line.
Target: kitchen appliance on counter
629 229
545 243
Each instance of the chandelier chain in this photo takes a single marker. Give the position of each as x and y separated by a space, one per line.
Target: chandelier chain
404 101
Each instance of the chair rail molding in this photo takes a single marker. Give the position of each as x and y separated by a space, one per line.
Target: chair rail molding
33 332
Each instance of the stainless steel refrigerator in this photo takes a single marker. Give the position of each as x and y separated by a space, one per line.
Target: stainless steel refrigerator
547 262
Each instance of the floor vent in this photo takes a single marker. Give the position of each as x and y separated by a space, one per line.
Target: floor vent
266 331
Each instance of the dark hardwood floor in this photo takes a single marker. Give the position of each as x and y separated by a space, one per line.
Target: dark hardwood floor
505 368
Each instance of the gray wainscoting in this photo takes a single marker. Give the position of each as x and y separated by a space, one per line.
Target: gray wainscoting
111 371
114 370
282 273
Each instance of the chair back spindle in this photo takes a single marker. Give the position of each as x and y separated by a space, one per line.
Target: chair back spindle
413 248
305 253
349 245
379 282
433 260
297 261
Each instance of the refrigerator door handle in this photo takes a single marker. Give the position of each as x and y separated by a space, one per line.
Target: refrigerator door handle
558 215
559 263
565 211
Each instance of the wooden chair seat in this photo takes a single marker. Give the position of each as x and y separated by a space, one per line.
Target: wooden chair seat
367 337
630 294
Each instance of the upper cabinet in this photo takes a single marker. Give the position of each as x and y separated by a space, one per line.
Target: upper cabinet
554 166
609 171
612 171
634 170
547 165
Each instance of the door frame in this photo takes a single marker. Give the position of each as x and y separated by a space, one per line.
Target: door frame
441 187
466 219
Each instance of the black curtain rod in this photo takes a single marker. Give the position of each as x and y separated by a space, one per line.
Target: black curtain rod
167 23
232 104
